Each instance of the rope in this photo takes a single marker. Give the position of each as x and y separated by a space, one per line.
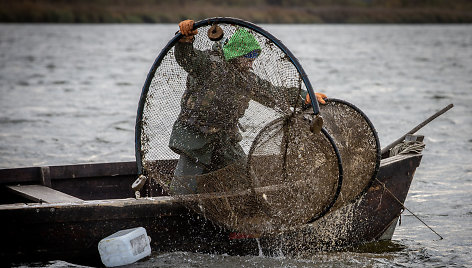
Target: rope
403 206
407 147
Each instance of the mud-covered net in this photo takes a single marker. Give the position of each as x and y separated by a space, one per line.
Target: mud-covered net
246 156
357 142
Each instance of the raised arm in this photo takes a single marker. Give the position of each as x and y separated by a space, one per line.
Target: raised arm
272 96
192 60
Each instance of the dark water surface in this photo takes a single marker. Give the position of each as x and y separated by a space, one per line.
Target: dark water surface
69 94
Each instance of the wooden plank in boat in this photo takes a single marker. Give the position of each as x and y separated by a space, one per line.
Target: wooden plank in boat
31 175
40 193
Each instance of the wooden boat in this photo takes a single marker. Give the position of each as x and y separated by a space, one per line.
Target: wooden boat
62 212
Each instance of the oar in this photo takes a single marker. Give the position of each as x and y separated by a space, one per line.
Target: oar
418 127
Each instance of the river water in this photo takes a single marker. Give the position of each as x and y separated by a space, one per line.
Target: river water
69 94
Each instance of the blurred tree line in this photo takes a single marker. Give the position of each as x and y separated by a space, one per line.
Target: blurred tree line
258 11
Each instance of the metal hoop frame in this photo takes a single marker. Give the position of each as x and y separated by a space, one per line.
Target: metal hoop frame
338 158
377 143
197 25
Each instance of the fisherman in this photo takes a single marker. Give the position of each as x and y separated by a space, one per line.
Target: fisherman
220 85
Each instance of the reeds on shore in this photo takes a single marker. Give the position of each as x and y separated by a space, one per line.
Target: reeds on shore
258 11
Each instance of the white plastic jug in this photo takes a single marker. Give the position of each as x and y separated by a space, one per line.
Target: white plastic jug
124 247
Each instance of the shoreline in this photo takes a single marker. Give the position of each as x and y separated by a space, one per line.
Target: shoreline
286 12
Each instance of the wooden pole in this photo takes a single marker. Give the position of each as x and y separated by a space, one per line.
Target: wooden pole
418 127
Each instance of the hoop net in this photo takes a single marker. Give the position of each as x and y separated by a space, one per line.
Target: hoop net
247 158
357 142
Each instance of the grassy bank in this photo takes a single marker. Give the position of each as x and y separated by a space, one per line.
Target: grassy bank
259 11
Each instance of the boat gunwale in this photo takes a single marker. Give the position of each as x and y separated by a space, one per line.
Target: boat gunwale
116 201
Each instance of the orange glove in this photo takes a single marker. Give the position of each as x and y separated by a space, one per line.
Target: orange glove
186 28
319 97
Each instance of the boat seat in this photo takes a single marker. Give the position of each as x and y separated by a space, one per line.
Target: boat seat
40 193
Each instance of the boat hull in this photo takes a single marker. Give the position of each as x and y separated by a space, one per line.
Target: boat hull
71 231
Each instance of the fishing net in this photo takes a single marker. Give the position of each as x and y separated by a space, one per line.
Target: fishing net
357 142
247 158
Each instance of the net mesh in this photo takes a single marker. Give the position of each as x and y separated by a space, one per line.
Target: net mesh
357 142
247 158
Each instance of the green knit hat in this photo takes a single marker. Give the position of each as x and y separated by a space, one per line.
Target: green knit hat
240 44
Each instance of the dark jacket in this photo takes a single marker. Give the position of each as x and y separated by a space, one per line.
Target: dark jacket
216 97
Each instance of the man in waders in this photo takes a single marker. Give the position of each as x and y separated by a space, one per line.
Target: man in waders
220 85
